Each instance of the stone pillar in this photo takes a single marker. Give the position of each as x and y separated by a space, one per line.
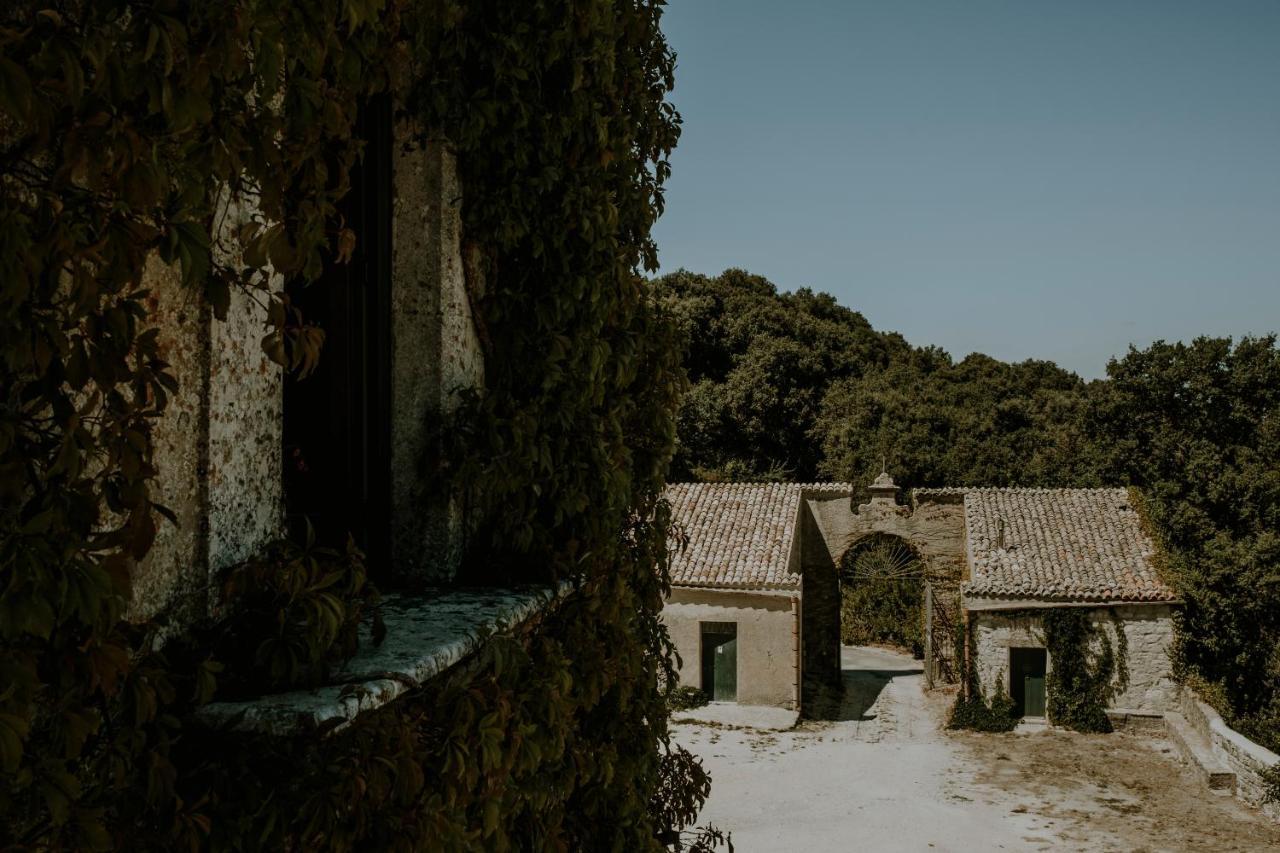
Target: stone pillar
218 445
435 354
883 491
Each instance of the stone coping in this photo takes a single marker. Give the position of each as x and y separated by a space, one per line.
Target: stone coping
426 634
1259 754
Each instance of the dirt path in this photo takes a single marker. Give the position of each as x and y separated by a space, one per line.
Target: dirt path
885 777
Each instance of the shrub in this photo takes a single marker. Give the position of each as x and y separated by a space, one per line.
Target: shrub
974 713
686 698
292 614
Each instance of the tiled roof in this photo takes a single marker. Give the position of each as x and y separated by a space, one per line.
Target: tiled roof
739 534
1059 544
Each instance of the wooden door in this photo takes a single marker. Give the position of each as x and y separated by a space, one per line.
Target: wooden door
720 661
1026 681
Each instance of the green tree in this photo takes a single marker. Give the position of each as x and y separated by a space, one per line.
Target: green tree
761 362
1197 426
976 422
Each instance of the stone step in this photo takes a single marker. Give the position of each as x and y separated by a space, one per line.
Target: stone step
1198 753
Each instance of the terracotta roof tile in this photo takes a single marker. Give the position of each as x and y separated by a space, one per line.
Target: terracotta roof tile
1059 544
739 534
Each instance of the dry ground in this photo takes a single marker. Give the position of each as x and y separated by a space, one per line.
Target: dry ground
1110 792
886 777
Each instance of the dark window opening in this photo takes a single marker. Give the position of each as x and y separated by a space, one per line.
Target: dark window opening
337 433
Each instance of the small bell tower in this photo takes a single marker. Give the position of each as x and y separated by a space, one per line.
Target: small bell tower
883 490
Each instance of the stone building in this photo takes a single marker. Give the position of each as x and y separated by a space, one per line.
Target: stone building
755 604
1030 550
734 609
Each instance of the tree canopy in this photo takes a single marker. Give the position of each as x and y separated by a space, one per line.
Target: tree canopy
794 386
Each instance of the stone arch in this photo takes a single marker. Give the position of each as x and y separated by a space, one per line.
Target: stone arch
882 578
894 554
831 523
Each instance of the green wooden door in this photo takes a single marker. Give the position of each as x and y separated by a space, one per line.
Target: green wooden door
726 678
1033 690
720 661
1026 681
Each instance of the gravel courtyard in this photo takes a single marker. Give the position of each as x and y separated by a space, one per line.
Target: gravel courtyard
887 777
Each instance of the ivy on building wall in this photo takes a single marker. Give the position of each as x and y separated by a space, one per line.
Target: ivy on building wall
133 129
1088 670
972 710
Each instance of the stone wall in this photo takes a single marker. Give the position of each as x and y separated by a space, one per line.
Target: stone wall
832 523
175 574
768 626
218 447
1148 630
246 410
1242 756
992 635
820 616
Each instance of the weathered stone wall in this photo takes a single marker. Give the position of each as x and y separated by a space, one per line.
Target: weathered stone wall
934 528
993 634
246 411
1244 757
219 445
767 640
174 575
831 526
820 616
1148 630
436 353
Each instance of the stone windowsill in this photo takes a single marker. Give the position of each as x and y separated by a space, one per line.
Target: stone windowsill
426 635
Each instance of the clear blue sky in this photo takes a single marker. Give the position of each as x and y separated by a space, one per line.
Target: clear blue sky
1028 179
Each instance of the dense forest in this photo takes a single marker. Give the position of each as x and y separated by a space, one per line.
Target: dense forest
793 386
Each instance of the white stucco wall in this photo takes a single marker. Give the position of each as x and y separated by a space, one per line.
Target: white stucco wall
767 640
1148 630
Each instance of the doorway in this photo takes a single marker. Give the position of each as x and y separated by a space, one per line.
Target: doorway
1027 668
720 661
337 435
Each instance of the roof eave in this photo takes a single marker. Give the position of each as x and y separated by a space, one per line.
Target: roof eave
1031 602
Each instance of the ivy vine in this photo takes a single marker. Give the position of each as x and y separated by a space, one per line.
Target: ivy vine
218 137
1088 670
1083 679
972 710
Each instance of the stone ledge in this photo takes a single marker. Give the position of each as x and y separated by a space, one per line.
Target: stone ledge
1127 720
426 635
1199 755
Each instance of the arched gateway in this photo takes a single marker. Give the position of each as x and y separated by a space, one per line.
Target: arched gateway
834 528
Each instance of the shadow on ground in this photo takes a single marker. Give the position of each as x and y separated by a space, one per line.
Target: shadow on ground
851 700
